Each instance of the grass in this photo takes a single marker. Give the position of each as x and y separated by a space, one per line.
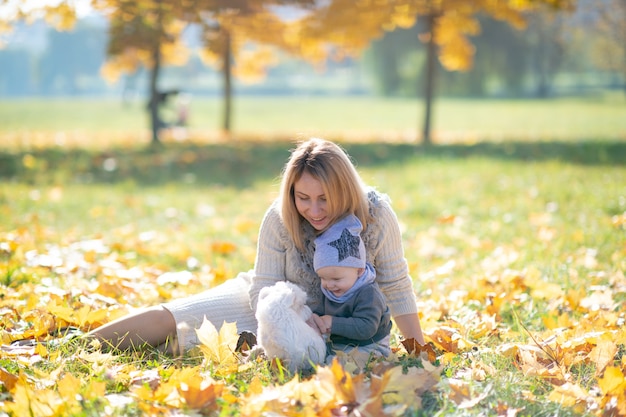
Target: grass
25 123
509 244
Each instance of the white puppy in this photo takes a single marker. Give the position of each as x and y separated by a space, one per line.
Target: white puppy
283 332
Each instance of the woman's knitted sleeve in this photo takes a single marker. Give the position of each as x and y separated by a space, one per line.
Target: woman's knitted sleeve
269 266
392 271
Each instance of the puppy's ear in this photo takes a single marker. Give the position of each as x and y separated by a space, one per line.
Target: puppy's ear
288 298
299 297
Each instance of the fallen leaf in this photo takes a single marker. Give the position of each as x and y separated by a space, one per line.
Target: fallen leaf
602 355
7 379
414 348
201 394
569 395
613 382
462 394
219 348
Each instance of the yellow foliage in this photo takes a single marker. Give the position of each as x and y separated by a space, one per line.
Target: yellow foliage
253 63
223 247
449 339
201 394
462 393
613 382
7 379
602 355
570 395
113 69
61 16
407 387
175 53
456 52
219 347
28 401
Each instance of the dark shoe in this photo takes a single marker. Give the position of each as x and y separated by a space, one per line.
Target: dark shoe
246 341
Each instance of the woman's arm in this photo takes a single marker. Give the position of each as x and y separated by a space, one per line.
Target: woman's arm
410 327
269 265
392 272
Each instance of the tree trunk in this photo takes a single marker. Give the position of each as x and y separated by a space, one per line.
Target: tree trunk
155 99
227 74
429 87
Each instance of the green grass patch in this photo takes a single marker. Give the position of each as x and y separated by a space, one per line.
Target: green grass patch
513 244
105 122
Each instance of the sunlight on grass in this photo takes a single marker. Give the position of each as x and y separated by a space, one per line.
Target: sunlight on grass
32 123
517 255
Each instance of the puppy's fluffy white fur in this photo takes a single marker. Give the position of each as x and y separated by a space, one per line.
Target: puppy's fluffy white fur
282 329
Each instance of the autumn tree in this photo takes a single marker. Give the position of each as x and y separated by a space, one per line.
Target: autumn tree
608 19
350 26
61 16
143 33
241 38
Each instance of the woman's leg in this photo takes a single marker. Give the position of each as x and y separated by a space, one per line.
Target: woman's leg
154 326
227 302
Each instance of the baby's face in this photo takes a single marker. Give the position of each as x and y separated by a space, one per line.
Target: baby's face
338 279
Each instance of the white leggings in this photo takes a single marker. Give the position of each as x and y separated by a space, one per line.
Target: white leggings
227 302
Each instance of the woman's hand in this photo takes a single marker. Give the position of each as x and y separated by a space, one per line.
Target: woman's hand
322 324
318 323
410 327
327 324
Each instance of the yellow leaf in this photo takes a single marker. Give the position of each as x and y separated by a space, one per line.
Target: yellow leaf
426 351
219 348
612 382
449 339
95 389
255 386
599 300
569 395
68 388
230 398
546 290
81 317
7 379
603 354
201 394
28 401
223 248
41 350
407 388
462 394
61 16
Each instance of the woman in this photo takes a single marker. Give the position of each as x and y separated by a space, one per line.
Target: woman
319 186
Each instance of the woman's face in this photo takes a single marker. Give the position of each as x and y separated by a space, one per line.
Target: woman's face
311 201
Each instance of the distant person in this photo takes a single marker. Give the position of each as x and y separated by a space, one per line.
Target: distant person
355 312
179 128
162 99
182 110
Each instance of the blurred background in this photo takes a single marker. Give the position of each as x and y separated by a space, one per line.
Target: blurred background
291 57
571 53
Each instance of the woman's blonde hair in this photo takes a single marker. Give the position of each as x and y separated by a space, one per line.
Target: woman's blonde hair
342 185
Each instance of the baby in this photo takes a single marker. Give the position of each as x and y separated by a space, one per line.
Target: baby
355 311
